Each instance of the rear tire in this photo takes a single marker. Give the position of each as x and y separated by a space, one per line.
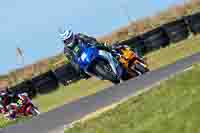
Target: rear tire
103 69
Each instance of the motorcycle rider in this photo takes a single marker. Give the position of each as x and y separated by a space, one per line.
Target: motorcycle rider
19 101
72 49
6 98
3 101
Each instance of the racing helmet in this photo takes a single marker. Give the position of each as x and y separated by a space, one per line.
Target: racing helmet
67 36
22 97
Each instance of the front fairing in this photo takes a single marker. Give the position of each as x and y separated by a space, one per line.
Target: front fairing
87 57
116 67
89 54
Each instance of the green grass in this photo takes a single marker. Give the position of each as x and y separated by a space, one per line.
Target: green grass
87 87
4 122
172 107
66 94
174 52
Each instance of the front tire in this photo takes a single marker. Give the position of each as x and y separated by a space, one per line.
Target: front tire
141 68
34 112
103 69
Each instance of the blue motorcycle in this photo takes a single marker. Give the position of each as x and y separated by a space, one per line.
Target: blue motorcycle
98 62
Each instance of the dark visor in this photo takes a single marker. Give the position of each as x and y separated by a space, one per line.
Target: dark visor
69 40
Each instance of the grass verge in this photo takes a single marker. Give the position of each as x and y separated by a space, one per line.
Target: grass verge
87 87
171 107
173 53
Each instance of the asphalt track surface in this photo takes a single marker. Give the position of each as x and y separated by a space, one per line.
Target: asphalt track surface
65 115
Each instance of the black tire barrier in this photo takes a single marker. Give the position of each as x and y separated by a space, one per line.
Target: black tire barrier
176 31
45 83
66 74
193 22
25 86
155 39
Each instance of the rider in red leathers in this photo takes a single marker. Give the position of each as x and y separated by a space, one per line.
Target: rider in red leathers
3 101
13 108
6 98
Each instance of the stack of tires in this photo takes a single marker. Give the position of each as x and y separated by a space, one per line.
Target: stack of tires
155 39
66 74
193 22
176 31
25 86
45 83
162 36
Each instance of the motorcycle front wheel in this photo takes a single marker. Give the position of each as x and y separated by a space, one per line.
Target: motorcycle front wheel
141 68
103 69
34 112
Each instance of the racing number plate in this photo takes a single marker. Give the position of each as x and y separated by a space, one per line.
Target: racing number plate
83 56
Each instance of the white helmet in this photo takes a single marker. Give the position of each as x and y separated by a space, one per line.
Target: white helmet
67 37
66 34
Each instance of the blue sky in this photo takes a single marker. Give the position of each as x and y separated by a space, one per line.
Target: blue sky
33 24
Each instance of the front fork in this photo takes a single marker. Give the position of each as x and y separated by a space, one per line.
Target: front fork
139 62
